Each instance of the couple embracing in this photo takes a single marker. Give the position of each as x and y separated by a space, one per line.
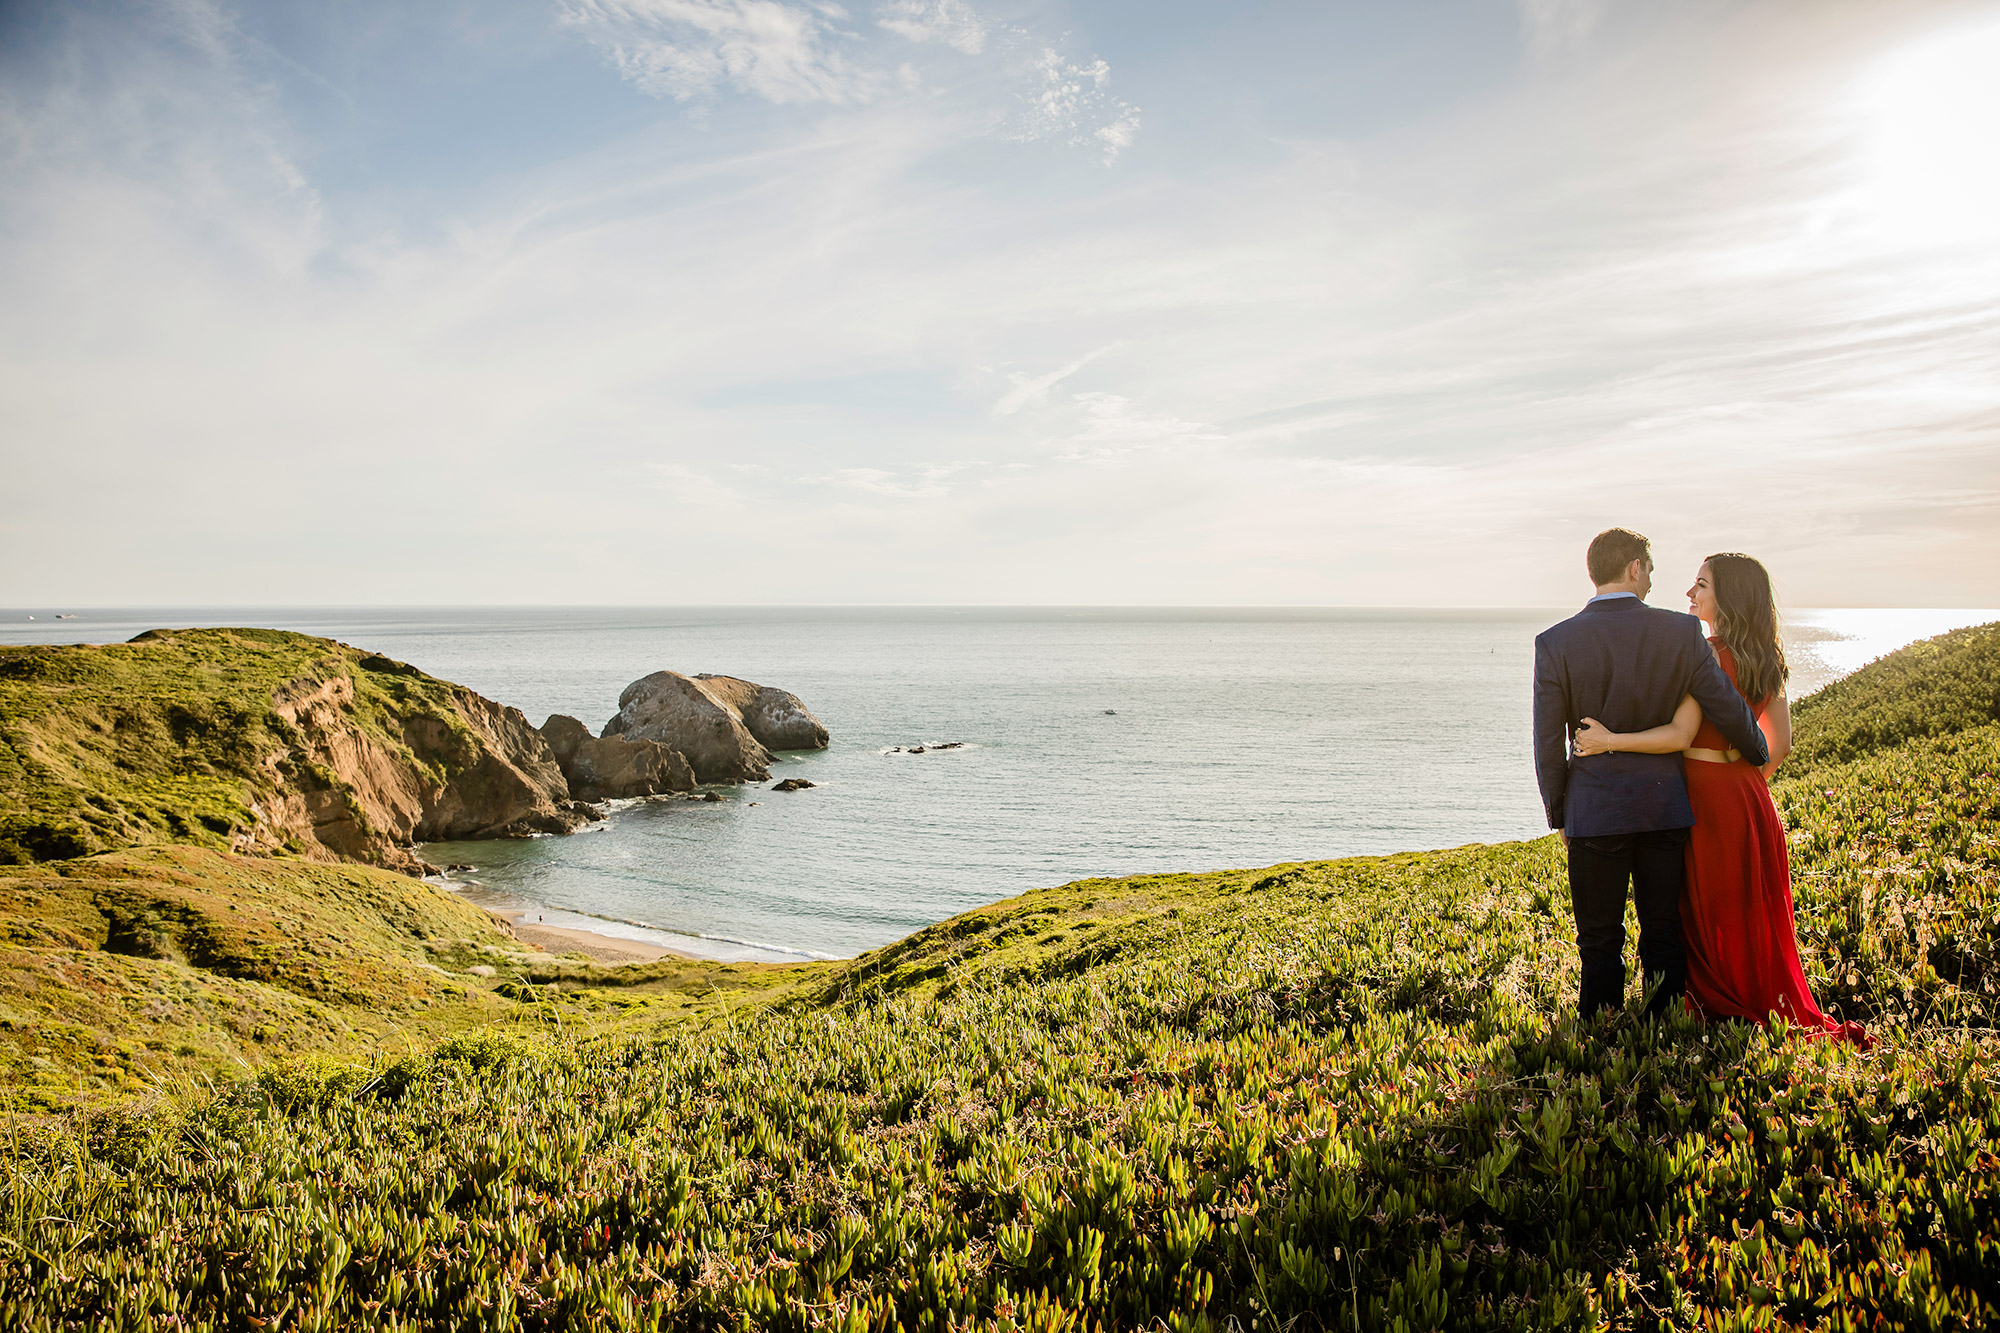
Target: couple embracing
1653 746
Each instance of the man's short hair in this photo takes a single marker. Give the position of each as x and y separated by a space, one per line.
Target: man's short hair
1612 550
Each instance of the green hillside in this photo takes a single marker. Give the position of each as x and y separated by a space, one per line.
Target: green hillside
253 740
1334 1095
124 971
1939 687
138 972
124 745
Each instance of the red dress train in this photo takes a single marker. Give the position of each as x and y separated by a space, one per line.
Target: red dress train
1736 911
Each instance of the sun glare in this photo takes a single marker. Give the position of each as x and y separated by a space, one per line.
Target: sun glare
1931 112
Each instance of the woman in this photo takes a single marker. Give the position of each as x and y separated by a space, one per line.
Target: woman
1736 911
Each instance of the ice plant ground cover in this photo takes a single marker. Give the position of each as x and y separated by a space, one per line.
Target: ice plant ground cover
1336 1095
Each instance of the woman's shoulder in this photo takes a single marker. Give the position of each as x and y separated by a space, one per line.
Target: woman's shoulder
1728 661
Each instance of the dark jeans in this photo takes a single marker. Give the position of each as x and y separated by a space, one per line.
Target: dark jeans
1655 865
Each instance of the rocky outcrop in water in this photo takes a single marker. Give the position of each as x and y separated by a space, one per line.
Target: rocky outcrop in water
778 718
614 767
681 713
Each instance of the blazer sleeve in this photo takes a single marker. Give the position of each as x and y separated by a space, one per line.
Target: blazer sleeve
1722 705
1551 734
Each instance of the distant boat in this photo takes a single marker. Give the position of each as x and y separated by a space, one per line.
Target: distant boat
60 616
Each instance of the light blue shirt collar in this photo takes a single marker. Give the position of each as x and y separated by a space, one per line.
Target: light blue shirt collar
1612 596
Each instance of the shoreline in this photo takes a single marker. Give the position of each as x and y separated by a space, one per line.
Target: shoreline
612 944
600 947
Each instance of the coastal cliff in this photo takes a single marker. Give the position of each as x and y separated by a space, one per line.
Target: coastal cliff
260 741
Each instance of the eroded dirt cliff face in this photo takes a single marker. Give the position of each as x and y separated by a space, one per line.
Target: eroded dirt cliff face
259 741
337 788
466 767
508 783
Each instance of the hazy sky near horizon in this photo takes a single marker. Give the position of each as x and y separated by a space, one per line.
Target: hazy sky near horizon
787 301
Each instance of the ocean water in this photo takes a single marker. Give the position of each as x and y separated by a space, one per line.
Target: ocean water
1091 742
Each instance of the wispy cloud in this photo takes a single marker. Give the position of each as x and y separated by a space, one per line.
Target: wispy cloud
205 26
1071 102
693 488
1559 25
1112 426
950 22
690 48
806 51
927 483
1419 367
1030 388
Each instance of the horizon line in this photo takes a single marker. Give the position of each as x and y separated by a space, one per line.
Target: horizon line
54 608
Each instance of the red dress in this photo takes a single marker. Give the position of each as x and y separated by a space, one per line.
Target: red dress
1736 911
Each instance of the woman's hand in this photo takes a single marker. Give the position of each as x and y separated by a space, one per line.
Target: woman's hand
1591 738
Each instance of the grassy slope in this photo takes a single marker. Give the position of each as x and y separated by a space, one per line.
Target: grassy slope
1939 687
146 970
1891 801
161 740
1318 1096
123 971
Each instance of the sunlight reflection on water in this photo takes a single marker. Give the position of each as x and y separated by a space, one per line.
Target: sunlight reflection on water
1825 644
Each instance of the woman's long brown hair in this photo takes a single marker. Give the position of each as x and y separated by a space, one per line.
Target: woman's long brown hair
1746 619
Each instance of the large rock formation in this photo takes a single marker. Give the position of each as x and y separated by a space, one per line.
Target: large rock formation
261 741
778 718
505 781
482 771
613 767
680 712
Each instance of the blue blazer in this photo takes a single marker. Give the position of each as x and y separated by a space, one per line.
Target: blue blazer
1628 665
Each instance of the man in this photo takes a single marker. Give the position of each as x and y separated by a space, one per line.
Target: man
1625 817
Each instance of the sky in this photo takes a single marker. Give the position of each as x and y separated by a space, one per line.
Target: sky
948 301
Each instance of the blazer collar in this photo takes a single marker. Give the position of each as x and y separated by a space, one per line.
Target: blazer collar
1614 604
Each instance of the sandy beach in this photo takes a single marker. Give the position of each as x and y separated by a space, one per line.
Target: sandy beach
604 948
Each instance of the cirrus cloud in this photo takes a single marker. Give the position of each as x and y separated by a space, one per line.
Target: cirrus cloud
792 52
951 22
686 49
